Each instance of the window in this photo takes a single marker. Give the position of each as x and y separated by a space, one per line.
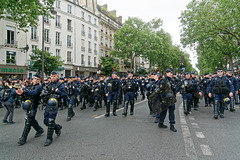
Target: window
82 27
46 49
83 42
11 57
33 33
106 42
101 40
101 53
110 32
106 30
58 52
95 46
69 41
58 38
82 59
102 27
89 18
69 56
89 45
82 15
10 35
95 61
89 60
69 9
95 33
89 30
34 48
46 19
46 35
106 53
57 3
95 21
69 25
75 1
110 43
58 21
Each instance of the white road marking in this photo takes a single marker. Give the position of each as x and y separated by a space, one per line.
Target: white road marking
206 150
97 117
189 145
191 118
195 125
200 135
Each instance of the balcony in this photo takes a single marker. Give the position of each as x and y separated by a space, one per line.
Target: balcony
95 52
48 40
58 43
59 25
11 43
83 33
89 50
95 38
35 38
90 36
83 49
70 28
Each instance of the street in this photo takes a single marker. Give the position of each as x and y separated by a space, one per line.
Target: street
91 136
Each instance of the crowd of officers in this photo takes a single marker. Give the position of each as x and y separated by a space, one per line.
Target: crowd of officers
56 94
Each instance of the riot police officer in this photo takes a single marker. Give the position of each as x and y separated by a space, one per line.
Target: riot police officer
195 98
56 90
72 91
171 108
102 96
83 93
149 88
31 97
220 88
95 88
111 90
235 85
130 87
188 87
142 84
205 82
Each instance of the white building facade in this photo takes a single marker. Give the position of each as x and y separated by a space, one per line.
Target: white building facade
72 35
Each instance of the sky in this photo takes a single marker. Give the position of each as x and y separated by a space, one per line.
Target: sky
168 10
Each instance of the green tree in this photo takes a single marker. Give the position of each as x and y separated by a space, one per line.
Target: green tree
25 12
212 25
50 62
108 64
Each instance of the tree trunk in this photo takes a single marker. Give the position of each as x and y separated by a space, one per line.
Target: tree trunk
230 61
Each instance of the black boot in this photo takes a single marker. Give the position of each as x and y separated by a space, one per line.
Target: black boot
83 105
114 108
232 105
39 129
161 125
185 104
132 107
216 109
172 128
107 109
50 131
26 130
58 129
125 108
95 107
70 112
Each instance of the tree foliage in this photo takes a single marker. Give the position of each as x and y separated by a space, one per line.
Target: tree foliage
50 62
212 28
108 64
25 12
148 40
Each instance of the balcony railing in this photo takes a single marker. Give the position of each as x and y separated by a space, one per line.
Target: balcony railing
83 49
83 33
11 43
35 38
89 63
90 36
89 50
70 28
95 38
58 25
58 43
95 52
47 40
83 63
69 45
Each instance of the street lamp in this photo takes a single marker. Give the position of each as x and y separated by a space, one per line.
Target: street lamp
53 12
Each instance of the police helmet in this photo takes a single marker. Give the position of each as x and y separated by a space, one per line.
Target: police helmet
27 105
226 100
52 105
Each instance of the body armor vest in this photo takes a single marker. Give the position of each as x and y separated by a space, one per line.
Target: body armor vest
130 85
188 85
220 86
70 89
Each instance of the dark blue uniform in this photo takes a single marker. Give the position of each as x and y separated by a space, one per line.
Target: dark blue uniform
142 84
72 90
50 113
236 87
31 93
220 88
112 87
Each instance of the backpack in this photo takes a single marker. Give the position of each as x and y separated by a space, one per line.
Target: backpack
5 94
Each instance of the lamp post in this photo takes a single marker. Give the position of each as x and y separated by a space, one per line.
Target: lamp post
53 12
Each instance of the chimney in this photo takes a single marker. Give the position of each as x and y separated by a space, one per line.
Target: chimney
119 19
112 13
104 7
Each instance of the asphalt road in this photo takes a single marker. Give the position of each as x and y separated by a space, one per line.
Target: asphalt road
91 136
